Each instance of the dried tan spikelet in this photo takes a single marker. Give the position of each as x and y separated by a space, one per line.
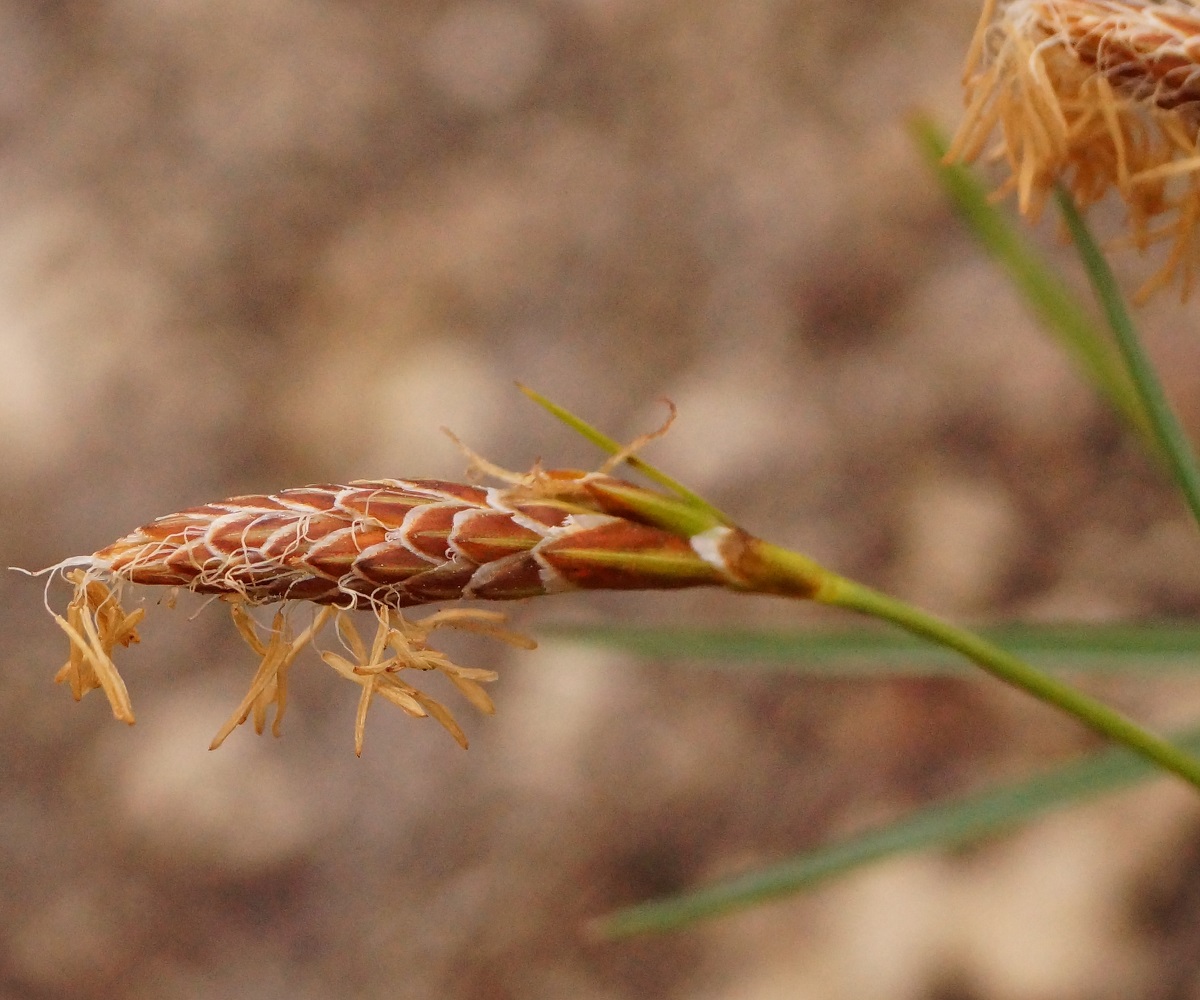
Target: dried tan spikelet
379 545
1098 95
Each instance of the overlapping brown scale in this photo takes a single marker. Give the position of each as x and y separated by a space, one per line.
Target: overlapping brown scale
624 555
174 566
383 504
141 555
251 572
207 511
475 496
257 501
442 583
1146 63
321 497
388 564
315 589
301 531
551 515
125 550
609 502
183 562
356 592
334 555
250 531
510 579
428 530
179 528
486 535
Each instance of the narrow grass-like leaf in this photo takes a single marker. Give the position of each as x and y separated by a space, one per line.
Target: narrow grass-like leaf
1051 300
872 652
1165 430
940 826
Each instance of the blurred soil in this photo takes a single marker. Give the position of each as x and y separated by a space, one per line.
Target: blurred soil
250 245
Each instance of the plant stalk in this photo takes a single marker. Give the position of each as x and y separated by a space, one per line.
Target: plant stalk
774 568
841 592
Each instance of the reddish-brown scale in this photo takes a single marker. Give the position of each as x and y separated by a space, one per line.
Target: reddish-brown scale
580 558
428 530
313 589
288 538
178 528
183 562
335 555
442 583
253 574
205 512
475 496
420 490
387 508
257 501
319 497
550 515
510 579
171 573
593 491
389 564
257 533
247 533
309 530
355 592
1150 69
485 535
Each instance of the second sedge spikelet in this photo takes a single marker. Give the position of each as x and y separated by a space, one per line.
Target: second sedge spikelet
1097 95
379 545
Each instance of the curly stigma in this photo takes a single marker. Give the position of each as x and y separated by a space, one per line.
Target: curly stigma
380 546
1097 95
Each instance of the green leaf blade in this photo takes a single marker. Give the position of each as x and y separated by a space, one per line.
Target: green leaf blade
878 653
940 826
1165 432
1058 309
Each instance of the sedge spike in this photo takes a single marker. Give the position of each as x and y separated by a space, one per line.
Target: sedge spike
383 546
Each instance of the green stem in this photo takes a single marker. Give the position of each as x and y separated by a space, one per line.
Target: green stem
840 592
1166 431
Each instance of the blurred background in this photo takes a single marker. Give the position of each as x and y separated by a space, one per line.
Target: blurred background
250 245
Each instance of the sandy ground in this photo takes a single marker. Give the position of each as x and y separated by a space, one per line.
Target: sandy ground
251 245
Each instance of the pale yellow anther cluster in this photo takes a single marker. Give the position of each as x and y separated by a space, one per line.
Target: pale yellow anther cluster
400 645
96 624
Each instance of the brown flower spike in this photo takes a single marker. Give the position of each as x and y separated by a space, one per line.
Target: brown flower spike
1097 95
379 545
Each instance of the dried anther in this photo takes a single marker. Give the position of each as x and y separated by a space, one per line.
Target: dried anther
1097 95
95 625
377 672
269 686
